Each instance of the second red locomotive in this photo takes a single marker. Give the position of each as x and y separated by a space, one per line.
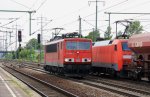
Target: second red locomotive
111 56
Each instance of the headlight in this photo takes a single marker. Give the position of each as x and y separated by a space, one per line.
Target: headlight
69 59
66 59
86 59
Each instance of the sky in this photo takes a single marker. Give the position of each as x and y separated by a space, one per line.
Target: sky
64 14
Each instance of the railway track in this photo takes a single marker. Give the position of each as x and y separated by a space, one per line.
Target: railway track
43 88
76 88
117 87
120 84
107 85
124 91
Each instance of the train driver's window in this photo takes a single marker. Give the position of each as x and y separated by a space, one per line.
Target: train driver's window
115 47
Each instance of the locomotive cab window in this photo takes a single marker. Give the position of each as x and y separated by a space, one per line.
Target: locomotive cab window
73 45
125 46
51 48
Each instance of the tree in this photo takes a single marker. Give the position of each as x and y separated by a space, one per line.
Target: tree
107 34
8 56
135 28
93 35
119 33
33 43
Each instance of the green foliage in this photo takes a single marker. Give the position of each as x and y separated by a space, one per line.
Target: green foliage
33 43
29 53
8 56
93 35
107 34
135 28
119 33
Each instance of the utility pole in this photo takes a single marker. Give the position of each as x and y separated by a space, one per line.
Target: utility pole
6 42
93 34
96 12
10 39
109 19
116 30
5 39
80 33
41 36
16 38
3 43
16 42
43 20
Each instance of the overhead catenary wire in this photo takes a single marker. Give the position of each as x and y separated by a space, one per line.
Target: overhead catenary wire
10 22
42 27
83 8
34 4
69 14
93 25
36 11
21 15
20 4
69 23
88 23
44 1
135 5
90 14
107 8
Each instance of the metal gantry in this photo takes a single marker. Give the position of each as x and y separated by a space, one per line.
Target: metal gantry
30 12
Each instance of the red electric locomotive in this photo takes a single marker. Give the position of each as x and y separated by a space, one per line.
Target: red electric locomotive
69 56
111 57
140 45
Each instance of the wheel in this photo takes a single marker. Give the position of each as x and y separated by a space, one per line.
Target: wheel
115 74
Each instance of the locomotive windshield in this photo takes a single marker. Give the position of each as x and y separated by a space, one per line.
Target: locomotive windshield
72 45
125 46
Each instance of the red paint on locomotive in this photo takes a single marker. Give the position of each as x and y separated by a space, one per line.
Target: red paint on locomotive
70 55
110 56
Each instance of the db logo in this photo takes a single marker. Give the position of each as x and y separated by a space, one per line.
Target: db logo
137 44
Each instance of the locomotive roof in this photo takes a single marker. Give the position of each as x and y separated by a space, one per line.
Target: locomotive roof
108 42
56 41
102 43
140 37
